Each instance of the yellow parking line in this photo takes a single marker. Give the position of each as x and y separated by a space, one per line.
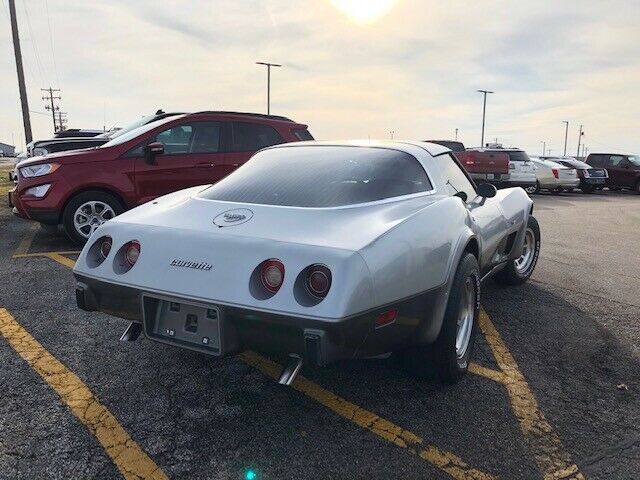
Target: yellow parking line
445 461
67 262
489 373
44 254
25 243
125 453
543 441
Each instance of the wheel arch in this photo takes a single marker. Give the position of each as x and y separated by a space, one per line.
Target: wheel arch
80 191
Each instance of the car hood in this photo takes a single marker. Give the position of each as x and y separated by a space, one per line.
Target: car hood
349 228
67 157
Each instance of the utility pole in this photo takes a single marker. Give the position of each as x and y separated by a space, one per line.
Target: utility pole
50 97
544 147
484 110
566 133
62 121
268 65
26 120
456 134
580 134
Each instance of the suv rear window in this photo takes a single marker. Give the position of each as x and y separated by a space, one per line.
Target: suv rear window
517 156
322 176
303 134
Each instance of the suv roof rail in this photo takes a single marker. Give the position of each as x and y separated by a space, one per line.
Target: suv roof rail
247 114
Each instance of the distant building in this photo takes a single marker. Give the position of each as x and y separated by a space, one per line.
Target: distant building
7 150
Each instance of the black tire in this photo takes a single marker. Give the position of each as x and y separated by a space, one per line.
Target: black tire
587 188
439 361
512 274
81 199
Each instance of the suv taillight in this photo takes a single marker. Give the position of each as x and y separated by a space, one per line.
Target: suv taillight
555 172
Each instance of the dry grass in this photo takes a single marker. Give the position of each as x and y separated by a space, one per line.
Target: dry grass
5 183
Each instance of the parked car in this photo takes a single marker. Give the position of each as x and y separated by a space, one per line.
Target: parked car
66 143
84 188
484 167
590 178
77 133
521 171
324 251
623 169
553 176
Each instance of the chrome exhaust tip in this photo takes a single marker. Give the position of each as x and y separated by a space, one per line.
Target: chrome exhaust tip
132 332
290 370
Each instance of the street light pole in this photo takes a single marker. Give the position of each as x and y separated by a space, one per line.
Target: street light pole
566 133
484 110
579 139
268 65
456 134
544 147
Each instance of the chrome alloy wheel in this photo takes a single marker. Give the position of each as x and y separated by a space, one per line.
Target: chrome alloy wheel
528 252
466 317
91 215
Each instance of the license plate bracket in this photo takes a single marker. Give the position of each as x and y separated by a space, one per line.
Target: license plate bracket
183 323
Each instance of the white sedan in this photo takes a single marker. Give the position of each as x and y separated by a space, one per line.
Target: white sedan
553 176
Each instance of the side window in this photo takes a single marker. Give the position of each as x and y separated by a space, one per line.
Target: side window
303 134
455 178
206 137
250 137
599 161
616 161
176 139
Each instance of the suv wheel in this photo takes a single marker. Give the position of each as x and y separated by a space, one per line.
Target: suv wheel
87 211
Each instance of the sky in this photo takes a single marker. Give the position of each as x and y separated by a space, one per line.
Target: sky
351 68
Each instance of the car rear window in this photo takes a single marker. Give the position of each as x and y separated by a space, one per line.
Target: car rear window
303 134
451 145
322 176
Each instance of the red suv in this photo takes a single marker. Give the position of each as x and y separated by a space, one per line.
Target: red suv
84 188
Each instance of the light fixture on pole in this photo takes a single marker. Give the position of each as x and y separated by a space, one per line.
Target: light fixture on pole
268 65
484 110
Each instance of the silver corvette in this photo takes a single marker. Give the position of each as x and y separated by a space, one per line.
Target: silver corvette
320 251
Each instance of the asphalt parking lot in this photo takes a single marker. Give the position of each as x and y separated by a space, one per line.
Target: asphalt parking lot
553 391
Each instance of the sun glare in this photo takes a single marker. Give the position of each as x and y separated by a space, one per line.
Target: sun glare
364 11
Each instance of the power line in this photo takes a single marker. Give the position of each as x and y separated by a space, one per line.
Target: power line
34 44
53 53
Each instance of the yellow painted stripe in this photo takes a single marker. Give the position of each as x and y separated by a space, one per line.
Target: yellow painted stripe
544 443
489 373
45 254
125 453
25 243
67 262
445 461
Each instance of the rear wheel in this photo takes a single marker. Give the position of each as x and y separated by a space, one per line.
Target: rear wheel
533 188
519 270
87 211
447 359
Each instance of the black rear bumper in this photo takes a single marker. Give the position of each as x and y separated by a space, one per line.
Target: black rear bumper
319 342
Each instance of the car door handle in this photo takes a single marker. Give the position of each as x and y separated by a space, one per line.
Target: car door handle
204 165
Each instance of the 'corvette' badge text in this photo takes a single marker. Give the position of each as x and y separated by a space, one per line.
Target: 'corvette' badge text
188 264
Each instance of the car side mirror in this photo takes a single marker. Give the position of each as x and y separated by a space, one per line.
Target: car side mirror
151 150
486 190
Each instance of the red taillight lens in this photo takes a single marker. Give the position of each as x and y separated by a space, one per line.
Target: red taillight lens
555 172
132 252
318 280
272 274
105 247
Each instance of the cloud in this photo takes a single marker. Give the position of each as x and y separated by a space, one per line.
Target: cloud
415 70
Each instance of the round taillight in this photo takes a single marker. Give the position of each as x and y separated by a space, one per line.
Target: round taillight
132 252
105 247
272 274
318 280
